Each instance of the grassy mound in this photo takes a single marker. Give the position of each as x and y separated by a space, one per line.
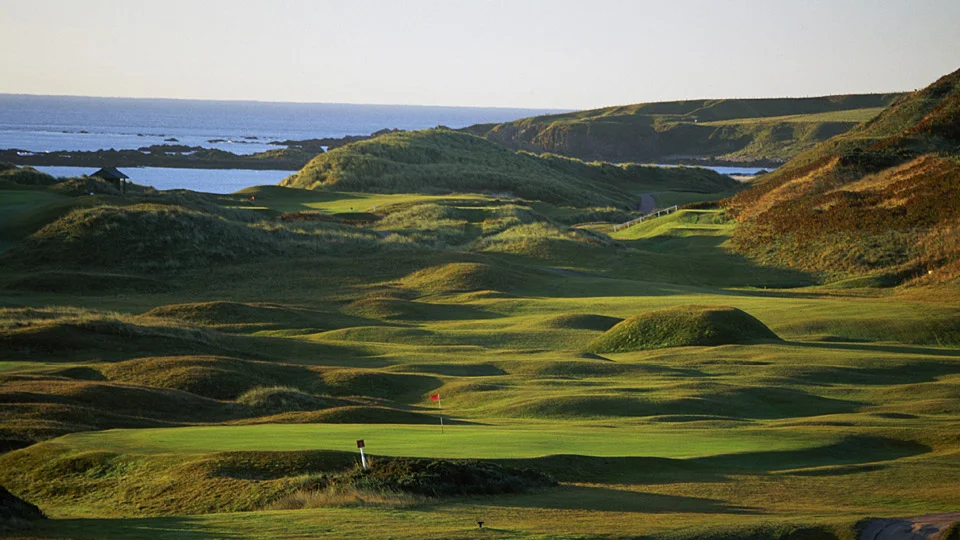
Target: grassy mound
682 326
443 161
445 478
548 242
242 315
280 399
215 377
25 176
163 237
717 404
466 277
141 236
379 384
14 511
27 334
39 407
238 481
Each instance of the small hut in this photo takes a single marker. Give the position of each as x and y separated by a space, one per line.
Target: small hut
112 174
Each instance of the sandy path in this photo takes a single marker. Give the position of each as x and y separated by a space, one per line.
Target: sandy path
647 203
926 527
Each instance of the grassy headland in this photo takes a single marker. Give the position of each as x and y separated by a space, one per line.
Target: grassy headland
759 131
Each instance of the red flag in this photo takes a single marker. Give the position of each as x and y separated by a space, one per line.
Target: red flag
435 397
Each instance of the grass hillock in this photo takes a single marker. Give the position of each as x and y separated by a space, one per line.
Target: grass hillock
281 399
216 377
443 161
25 176
741 130
682 326
467 277
37 408
726 404
27 333
164 237
379 384
132 484
245 316
446 478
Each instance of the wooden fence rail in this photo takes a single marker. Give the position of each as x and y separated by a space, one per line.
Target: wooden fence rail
641 219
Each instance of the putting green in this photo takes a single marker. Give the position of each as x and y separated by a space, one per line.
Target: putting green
484 442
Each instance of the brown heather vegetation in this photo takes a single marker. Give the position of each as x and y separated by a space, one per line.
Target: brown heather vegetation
881 199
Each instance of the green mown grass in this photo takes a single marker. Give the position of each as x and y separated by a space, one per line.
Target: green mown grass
464 441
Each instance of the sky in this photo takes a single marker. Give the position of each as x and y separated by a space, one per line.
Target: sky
499 53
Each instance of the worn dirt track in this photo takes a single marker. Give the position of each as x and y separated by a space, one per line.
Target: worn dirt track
928 527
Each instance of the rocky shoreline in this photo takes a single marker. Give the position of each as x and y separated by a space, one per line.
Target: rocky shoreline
291 155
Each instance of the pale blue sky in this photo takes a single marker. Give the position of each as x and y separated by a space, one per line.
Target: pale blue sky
512 53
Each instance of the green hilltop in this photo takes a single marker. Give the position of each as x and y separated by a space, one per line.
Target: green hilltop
719 130
444 161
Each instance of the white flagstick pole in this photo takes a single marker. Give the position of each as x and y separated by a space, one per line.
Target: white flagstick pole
441 413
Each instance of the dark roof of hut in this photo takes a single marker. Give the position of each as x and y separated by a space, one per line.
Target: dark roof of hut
110 173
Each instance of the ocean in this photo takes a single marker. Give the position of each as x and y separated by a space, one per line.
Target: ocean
46 123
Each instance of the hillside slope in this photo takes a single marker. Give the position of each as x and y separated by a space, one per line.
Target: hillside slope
736 130
880 199
444 161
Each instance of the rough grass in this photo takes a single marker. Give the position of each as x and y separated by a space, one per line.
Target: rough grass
866 202
45 333
682 326
732 129
161 237
438 161
253 316
280 399
467 277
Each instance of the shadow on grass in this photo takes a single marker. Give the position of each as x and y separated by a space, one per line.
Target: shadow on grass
159 528
908 373
848 451
603 499
686 257
893 348
851 451
619 470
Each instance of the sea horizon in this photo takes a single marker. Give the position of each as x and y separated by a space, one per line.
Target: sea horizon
42 123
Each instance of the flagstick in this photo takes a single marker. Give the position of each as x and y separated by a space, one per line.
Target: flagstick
441 414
